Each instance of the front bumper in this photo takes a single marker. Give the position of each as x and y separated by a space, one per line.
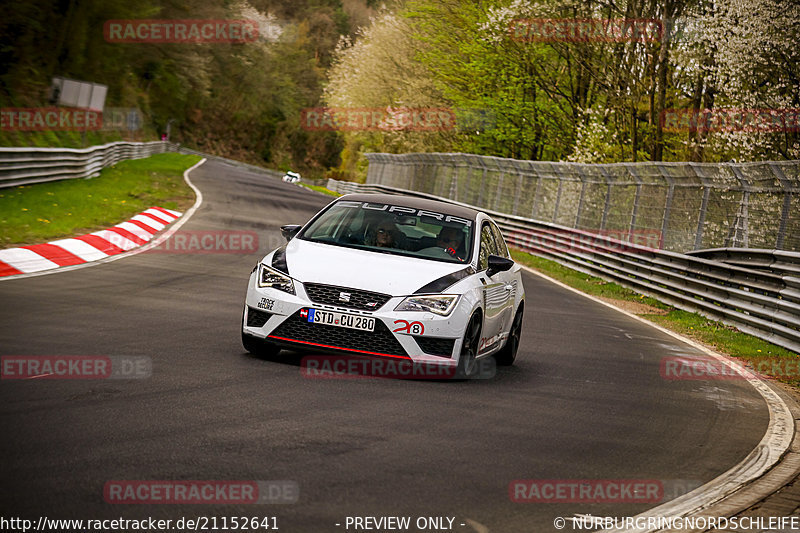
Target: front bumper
275 316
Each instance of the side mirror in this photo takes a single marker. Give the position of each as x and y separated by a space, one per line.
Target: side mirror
498 264
289 231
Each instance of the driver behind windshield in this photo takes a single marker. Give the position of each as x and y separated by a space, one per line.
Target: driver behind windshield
386 235
450 240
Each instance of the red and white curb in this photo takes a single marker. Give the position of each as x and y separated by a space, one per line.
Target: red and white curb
141 231
87 248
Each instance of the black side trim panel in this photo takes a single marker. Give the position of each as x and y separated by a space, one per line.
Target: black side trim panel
279 260
444 282
257 318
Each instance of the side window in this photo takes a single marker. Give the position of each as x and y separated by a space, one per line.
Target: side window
502 249
487 247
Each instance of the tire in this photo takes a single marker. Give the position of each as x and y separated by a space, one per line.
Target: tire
508 353
467 364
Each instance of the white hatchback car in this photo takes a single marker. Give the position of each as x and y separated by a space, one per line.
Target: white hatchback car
291 177
389 276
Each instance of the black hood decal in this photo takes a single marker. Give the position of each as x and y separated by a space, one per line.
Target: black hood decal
439 285
279 260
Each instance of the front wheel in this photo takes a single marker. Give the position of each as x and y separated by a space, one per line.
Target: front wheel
508 353
467 363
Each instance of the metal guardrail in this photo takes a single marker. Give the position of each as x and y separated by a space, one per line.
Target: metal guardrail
776 261
764 304
22 166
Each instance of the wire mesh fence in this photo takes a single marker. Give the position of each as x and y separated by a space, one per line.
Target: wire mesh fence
671 206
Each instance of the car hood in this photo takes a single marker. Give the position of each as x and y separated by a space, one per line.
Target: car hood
311 262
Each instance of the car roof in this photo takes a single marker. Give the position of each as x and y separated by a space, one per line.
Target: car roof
417 203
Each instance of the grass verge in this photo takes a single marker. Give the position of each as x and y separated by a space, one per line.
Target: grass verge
318 188
30 214
766 358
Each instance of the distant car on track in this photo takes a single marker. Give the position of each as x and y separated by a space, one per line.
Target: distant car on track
291 177
389 276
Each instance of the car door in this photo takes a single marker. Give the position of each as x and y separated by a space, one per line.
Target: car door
509 278
495 293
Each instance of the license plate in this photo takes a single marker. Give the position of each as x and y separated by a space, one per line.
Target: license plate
342 320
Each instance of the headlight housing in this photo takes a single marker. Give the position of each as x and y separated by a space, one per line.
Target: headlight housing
441 304
269 277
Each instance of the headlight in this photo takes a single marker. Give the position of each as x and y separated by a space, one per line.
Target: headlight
441 304
269 277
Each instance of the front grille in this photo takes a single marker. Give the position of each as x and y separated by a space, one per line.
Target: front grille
380 341
358 299
436 346
256 318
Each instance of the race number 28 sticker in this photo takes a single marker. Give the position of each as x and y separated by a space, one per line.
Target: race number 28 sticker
414 328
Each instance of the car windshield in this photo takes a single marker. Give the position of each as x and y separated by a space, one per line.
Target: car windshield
394 229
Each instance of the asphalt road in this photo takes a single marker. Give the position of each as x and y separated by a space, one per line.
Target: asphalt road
584 401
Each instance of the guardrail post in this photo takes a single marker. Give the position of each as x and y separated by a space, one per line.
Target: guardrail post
607 206
535 206
499 190
632 171
483 183
579 168
453 182
382 170
787 203
701 219
742 219
667 204
558 199
518 192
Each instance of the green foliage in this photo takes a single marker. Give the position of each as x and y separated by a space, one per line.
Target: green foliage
585 100
238 100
